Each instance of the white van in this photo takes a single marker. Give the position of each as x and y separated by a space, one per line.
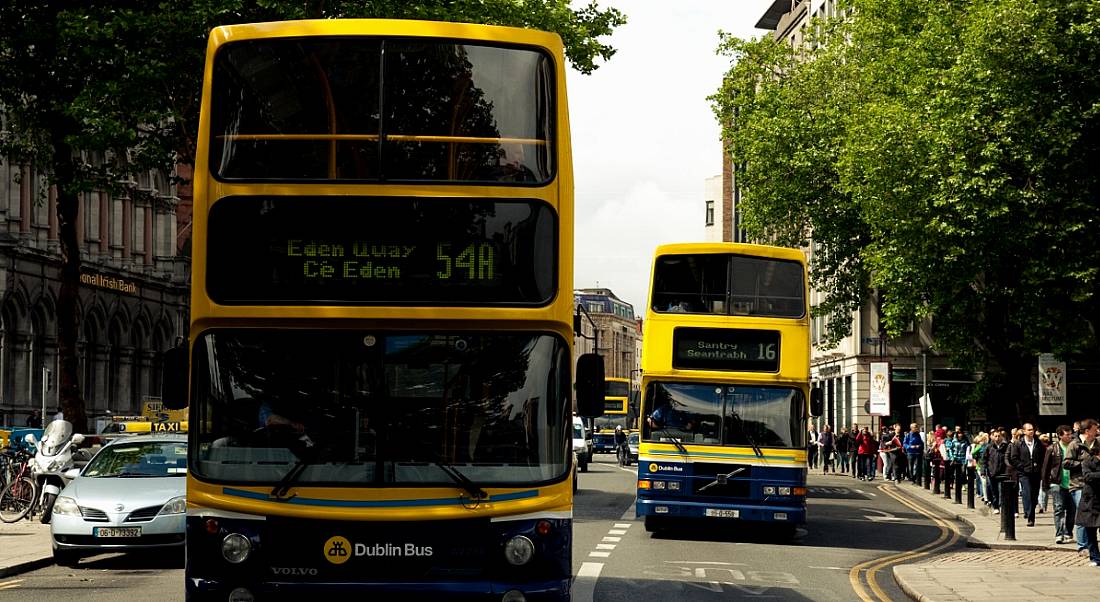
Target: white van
582 445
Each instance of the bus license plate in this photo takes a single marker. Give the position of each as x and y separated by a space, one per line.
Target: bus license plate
117 532
723 513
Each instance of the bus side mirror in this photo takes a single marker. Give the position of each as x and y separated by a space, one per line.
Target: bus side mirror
590 385
817 402
174 395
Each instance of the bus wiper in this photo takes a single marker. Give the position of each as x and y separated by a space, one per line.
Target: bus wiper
475 492
674 441
745 432
291 477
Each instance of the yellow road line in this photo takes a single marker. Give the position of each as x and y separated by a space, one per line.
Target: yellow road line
10 584
948 534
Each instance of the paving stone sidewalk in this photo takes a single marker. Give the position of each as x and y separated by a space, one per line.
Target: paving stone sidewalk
24 546
1030 568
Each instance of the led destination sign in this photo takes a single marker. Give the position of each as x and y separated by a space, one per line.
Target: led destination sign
725 349
380 251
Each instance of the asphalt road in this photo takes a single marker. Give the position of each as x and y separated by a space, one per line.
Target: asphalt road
856 532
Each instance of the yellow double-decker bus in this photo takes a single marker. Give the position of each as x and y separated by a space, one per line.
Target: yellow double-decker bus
381 382
617 412
725 386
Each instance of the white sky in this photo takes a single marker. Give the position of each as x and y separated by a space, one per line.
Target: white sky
645 138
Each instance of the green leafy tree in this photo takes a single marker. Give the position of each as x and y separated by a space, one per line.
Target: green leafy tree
120 80
950 167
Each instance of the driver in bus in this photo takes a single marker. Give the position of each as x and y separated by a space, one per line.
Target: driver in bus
666 416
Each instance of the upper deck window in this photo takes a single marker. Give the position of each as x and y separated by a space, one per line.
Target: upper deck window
372 109
728 284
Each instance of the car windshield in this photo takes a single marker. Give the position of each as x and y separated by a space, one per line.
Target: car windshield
381 408
723 414
140 459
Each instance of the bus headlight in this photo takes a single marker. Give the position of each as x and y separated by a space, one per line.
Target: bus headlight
66 506
769 490
236 548
784 491
519 550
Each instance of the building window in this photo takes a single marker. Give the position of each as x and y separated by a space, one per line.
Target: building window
710 213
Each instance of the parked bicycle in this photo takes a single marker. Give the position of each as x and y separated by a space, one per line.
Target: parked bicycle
20 494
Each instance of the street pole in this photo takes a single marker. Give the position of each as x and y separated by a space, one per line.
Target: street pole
45 388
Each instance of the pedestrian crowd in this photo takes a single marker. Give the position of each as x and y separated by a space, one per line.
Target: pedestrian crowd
1059 471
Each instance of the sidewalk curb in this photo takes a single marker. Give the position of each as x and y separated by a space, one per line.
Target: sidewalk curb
25 567
908 589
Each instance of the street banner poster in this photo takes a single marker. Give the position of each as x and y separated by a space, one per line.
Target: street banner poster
880 389
1052 386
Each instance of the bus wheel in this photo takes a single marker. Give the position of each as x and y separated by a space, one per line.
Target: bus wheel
652 524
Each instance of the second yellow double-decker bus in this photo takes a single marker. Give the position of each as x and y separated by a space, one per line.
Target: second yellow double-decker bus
725 386
617 412
381 374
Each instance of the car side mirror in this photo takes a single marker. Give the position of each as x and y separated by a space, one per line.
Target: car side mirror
30 438
590 385
72 473
78 439
817 402
174 395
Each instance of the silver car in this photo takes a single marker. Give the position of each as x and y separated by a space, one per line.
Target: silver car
130 496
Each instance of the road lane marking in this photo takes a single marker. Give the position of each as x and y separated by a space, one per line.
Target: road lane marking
599 554
605 546
584 585
622 525
14 583
612 539
617 532
948 533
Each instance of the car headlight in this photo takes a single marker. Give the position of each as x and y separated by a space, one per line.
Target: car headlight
176 505
66 506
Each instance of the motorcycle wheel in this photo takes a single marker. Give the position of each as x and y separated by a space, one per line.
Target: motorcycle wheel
47 507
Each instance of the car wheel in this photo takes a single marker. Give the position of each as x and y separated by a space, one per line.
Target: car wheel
65 558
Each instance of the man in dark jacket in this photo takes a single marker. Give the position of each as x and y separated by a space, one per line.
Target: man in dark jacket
843 443
1083 446
914 451
1056 483
1026 456
999 470
1088 512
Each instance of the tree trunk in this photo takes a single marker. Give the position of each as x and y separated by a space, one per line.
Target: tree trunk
68 319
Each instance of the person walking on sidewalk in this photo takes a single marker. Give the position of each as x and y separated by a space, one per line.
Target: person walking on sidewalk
1027 458
843 443
811 447
1056 483
826 442
1079 449
888 444
1088 512
958 448
999 470
914 452
868 447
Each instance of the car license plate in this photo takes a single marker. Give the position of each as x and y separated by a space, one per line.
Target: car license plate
117 531
723 513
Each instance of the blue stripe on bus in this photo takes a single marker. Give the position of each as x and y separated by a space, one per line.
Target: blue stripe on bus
305 501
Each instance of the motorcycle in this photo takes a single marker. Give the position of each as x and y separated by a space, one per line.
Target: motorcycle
52 459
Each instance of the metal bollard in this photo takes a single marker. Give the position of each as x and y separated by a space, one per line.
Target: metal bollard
1008 505
938 467
971 478
927 474
959 484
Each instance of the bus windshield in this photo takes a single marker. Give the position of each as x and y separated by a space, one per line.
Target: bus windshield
380 408
372 108
723 414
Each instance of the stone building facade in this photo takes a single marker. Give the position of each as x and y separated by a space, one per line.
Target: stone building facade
133 297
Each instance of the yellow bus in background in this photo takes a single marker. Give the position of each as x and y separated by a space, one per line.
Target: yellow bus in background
380 350
617 411
725 386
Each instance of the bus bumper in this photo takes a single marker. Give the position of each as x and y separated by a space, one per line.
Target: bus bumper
205 589
746 511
